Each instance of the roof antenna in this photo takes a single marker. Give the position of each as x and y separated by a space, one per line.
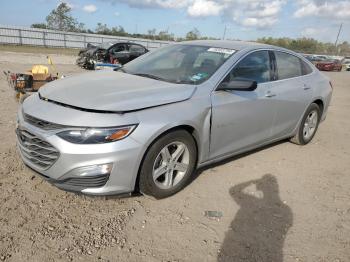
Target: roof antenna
336 41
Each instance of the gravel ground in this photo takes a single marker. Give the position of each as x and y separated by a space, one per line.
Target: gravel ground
281 203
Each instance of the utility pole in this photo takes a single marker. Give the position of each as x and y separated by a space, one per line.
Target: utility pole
223 37
336 41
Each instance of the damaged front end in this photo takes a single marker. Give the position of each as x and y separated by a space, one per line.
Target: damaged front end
89 57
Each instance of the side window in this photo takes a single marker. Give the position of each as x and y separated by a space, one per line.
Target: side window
137 48
255 66
306 69
117 49
288 66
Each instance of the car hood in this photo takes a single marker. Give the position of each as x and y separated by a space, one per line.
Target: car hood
113 91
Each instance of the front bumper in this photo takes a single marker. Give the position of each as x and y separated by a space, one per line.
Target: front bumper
123 157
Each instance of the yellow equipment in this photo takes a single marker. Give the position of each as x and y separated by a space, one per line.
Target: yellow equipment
33 79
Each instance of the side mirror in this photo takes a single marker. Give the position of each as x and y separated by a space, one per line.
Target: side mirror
238 85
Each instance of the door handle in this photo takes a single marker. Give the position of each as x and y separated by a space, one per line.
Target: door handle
269 94
306 87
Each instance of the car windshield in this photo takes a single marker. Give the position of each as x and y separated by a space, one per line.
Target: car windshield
181 64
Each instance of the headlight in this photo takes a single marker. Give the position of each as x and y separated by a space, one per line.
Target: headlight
96 135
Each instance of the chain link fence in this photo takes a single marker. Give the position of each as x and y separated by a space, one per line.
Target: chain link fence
16 35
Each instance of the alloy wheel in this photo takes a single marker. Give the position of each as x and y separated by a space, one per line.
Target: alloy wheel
310 125
171 165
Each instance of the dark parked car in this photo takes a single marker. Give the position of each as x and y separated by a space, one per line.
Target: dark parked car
119 53
330 65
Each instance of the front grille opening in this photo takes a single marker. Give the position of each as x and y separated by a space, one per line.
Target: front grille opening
35 150
87 182
78 184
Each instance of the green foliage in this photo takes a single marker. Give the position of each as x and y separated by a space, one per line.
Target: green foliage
104 30
307 45
120 31
61 19
39 25
194 34
164 35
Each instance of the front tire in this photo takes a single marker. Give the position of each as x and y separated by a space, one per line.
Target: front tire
168 164
308 126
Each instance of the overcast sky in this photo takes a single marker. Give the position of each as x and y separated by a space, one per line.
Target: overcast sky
245 19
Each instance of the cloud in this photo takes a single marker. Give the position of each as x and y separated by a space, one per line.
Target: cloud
326 33
254 13
90 8
248 13
338 9
172 4
202 8
320 33
259 23
116 14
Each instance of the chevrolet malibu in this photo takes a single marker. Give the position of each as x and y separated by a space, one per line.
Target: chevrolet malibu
152 123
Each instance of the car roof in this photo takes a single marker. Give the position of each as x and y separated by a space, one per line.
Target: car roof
236 45
125 43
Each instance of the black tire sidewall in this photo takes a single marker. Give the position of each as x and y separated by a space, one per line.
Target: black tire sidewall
146 184
312 107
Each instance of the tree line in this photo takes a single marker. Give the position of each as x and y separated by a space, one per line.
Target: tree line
308 45
61 19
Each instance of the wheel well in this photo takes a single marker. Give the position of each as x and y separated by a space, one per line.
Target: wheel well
319 102
190 129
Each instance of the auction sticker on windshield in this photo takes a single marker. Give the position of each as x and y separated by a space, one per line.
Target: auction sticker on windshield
222 50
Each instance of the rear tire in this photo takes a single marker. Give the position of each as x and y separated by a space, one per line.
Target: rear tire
168 165
308 126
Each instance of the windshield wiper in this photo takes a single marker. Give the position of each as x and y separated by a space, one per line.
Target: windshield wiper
120 69
190 82
151 76
165 80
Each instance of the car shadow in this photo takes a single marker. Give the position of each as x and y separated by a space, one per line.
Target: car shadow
200 170
259 228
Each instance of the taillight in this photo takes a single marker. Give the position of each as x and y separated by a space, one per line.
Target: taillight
330 83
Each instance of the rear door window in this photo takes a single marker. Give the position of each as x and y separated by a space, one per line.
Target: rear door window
118 48
288 66
137 48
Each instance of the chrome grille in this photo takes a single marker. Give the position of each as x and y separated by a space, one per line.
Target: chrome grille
41 123
39 152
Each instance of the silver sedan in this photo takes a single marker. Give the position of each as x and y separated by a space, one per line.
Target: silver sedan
150 124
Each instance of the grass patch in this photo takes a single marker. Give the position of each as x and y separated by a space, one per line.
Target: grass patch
38 49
